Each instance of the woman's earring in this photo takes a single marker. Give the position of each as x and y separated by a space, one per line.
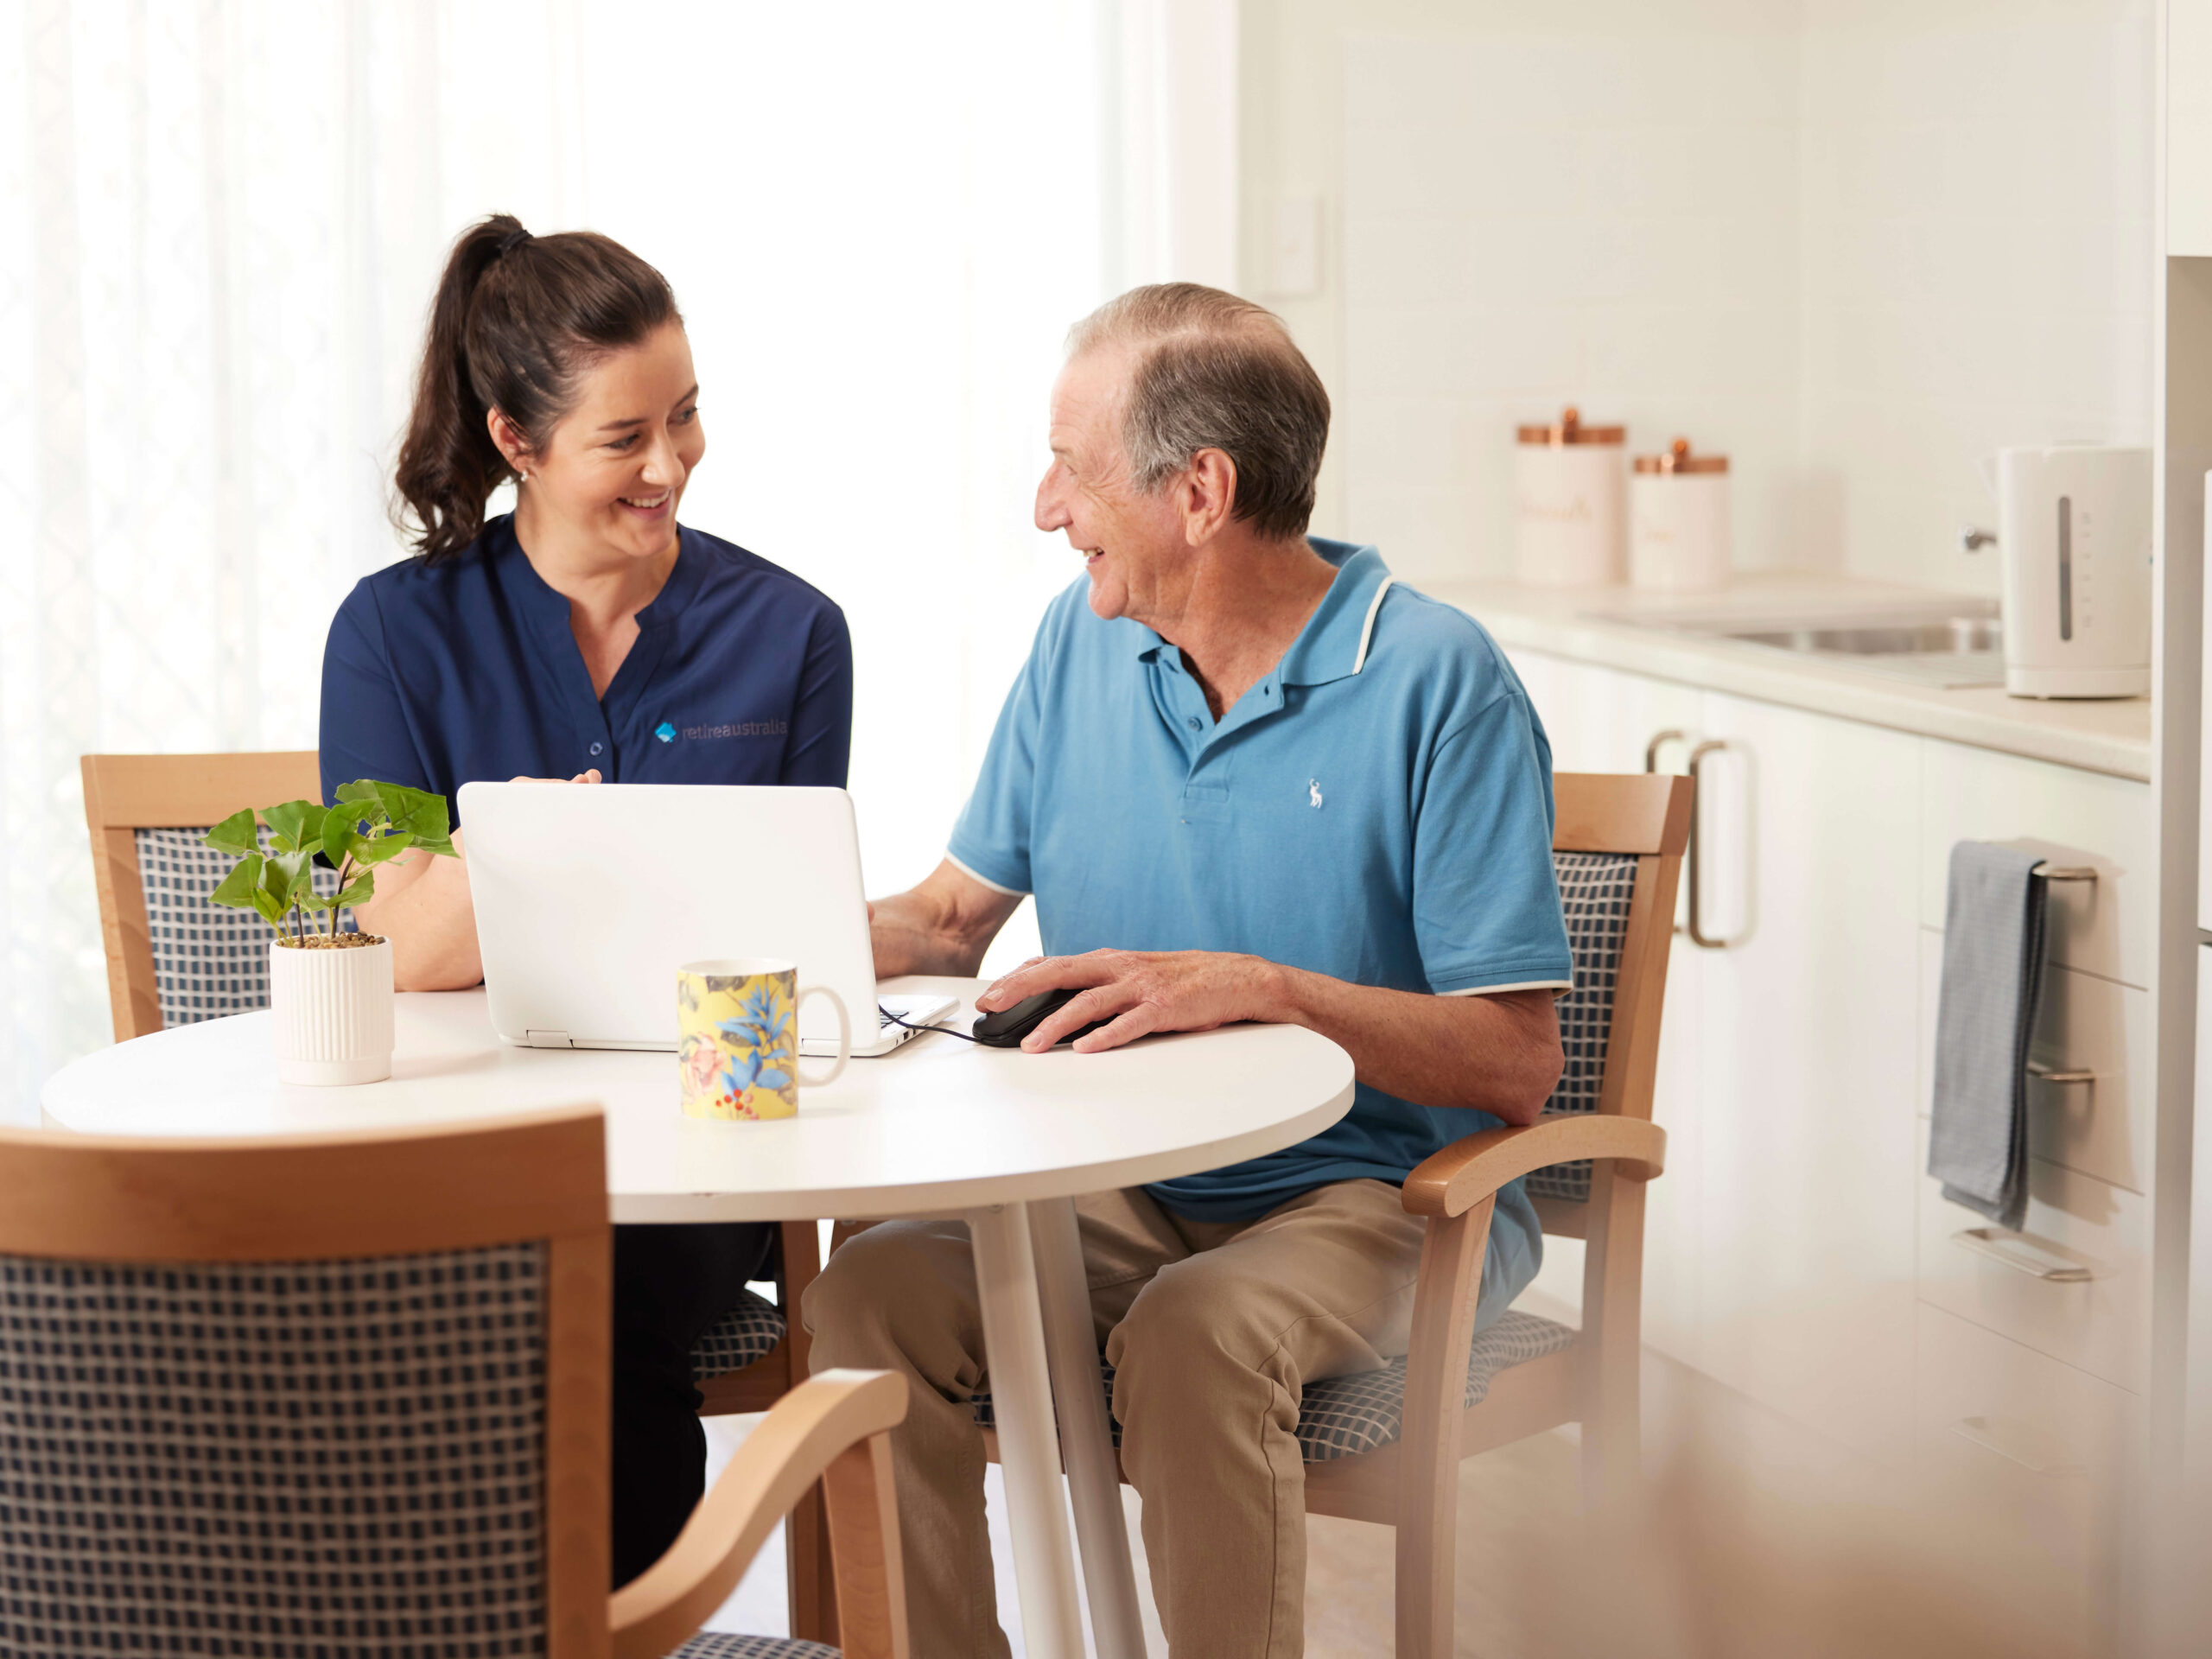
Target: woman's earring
523 477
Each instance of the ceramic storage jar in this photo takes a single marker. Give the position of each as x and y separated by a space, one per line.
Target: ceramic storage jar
1679 535
1570 521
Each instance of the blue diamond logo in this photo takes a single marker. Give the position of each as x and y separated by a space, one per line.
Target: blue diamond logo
665 732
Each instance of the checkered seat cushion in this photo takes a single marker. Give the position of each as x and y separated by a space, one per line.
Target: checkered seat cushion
744 1334
288 1457
1344 1416
1594 890
209 961
714 1644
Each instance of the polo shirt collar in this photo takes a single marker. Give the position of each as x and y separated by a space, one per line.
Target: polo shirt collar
1336 638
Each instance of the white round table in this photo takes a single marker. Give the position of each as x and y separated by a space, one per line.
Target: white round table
1007 1139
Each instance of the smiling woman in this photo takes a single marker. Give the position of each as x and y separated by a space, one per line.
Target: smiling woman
585 636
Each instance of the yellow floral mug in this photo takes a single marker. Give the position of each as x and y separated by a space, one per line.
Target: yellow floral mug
737 1053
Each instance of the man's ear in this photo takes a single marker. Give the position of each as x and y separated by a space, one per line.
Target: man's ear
507 439
1207 492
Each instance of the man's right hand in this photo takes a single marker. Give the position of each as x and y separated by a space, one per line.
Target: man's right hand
941 926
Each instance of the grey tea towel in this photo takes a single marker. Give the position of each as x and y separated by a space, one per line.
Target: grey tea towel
1992 979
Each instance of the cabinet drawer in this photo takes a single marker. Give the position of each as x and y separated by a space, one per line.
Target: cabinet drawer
2103 1128
2022 1462
2073 1283
2074 818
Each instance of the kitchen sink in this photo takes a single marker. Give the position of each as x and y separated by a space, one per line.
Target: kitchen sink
1958 645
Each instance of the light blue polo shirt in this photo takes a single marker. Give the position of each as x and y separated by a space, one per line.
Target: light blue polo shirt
1377 808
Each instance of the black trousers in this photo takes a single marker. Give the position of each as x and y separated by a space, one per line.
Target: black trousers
670 1283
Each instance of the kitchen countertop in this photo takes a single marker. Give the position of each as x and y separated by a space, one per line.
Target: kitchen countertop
1603 625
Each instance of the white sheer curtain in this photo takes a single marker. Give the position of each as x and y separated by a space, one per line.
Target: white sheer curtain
219 223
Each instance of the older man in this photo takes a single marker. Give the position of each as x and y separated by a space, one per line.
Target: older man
1247 777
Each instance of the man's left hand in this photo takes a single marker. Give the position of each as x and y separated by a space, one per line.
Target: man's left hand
1139 992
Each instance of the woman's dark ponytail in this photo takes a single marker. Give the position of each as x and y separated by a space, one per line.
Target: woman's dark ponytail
516 321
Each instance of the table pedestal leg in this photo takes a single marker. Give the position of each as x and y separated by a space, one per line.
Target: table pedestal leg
1086 1440
1014 1353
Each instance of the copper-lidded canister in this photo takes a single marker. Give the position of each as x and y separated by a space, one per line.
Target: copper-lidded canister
1570 509
1680 537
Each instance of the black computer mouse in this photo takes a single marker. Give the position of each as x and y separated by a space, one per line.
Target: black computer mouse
1006 1028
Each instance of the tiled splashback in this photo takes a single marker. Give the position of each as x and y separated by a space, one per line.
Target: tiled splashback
1855 245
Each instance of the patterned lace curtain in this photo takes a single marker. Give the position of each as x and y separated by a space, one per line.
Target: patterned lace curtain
219 224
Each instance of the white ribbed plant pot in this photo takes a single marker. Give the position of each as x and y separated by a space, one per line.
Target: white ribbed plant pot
331 1011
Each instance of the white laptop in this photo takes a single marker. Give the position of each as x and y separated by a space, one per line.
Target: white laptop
589 897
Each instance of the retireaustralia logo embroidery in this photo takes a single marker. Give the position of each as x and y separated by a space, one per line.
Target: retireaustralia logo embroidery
665 732
1313 792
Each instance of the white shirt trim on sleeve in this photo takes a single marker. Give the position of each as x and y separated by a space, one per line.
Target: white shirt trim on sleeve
1492 990
1011 892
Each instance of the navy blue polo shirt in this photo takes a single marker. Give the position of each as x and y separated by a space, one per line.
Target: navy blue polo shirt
1377 808
437 676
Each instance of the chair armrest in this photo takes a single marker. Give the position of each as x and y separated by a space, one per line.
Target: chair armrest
809 1428
1451 1182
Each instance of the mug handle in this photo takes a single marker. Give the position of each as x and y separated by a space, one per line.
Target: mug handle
844 1037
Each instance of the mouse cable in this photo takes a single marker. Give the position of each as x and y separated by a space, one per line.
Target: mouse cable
910 1026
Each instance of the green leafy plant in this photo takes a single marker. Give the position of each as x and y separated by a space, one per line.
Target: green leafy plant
371 823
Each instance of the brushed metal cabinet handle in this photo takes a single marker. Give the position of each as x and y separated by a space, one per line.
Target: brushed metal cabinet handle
1698 936
1987 1432
2022 1257
1659 740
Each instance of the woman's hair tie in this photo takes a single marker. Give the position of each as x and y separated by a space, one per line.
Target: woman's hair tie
510 241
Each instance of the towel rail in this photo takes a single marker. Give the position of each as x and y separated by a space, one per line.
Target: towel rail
2043 1071
2051 871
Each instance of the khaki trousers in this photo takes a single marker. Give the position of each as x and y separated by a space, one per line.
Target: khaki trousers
1212 1327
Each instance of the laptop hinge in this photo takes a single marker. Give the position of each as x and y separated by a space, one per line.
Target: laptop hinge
548 1039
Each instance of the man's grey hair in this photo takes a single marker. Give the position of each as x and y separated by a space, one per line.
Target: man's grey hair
1213 372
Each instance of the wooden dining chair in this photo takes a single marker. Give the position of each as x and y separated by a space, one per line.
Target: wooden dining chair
346 1392
1385 1446
175 959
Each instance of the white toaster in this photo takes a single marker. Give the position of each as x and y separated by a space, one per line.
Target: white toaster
2074 529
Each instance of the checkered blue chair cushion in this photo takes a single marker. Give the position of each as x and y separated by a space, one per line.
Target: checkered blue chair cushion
714 1644
340 1457
1594 890
208 961
1344 1416
744 1334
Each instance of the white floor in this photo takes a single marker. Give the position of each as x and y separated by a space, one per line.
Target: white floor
759 1607
1755 1539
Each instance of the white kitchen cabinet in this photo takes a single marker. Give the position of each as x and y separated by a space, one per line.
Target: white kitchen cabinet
1810 832
1779 1243
2104 1127
1600 719
2073 1282
1784 1250
2107 926
2019 1466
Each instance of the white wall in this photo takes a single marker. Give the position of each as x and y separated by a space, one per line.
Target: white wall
219 229
1978 236
1853 245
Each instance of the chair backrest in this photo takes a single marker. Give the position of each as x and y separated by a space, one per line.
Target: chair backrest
173 958
331 1395
1617 848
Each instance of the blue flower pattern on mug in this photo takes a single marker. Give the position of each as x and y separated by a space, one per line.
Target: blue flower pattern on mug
741 1067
